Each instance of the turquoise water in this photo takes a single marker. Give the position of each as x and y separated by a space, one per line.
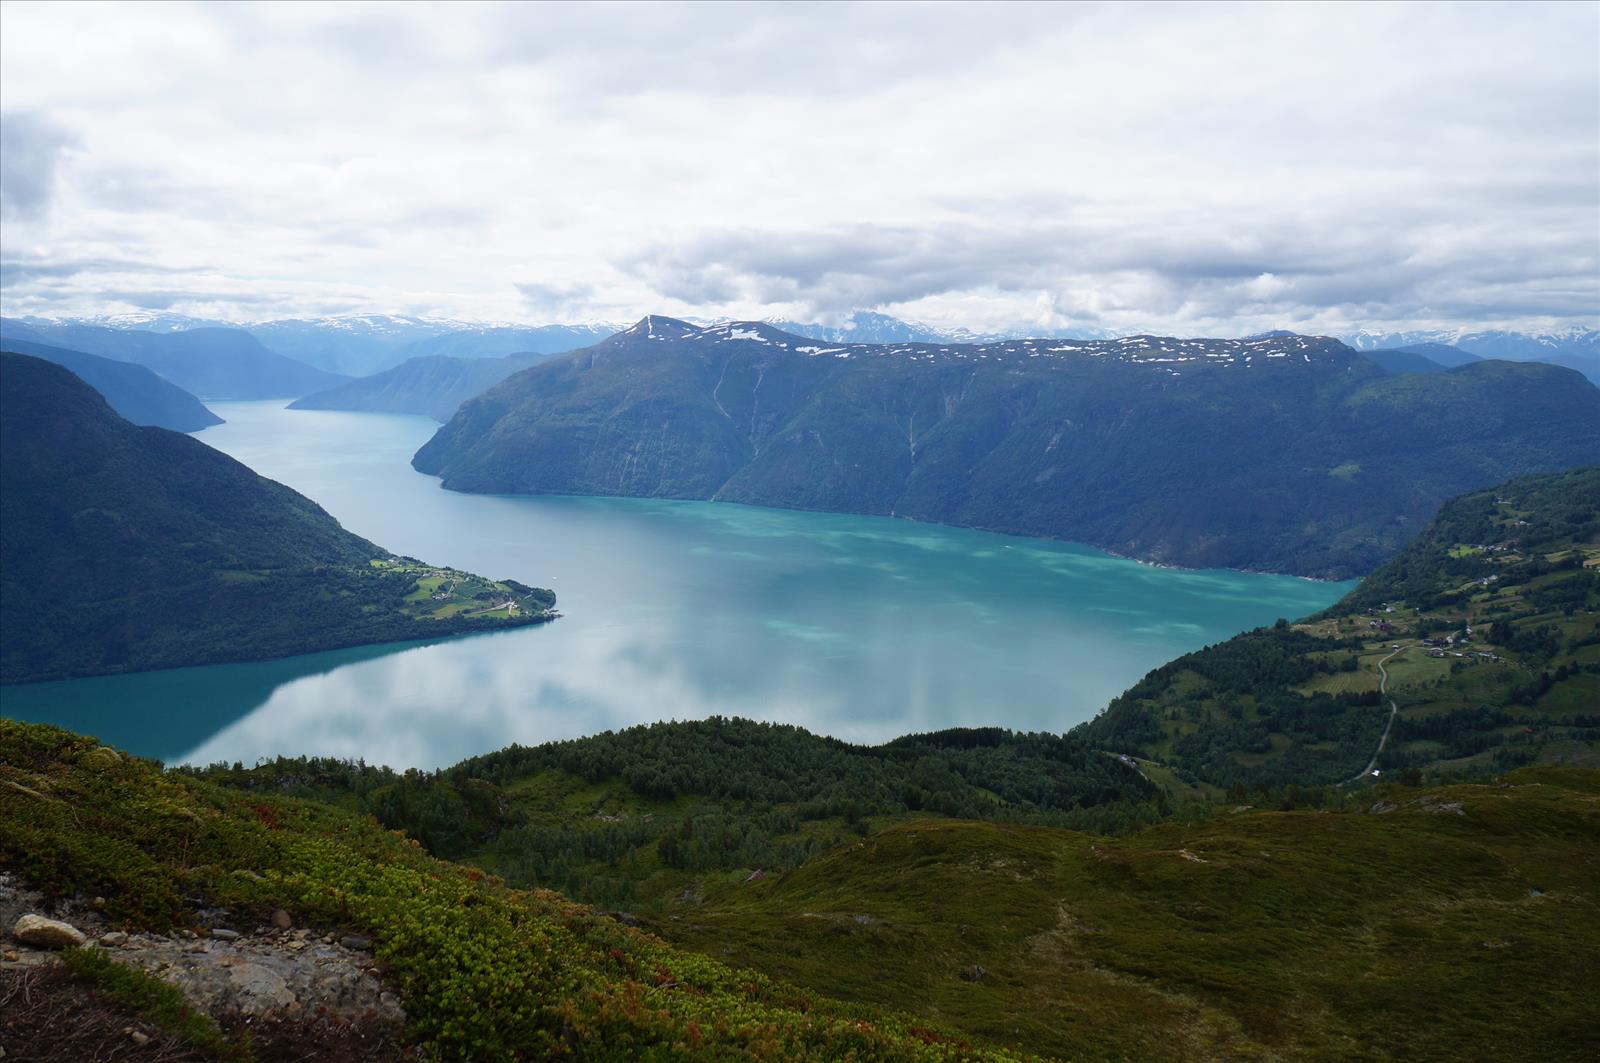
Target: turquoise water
861 627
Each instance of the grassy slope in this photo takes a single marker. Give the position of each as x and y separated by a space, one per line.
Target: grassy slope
129 548
486 973
1300 704
1459 922
1414 934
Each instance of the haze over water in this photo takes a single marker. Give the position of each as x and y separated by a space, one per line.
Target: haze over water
865 628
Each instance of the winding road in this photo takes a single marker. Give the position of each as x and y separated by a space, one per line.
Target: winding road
1394 710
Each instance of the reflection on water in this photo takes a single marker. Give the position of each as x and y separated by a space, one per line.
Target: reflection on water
860 627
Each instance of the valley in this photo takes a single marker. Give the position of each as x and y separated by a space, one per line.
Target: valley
861 627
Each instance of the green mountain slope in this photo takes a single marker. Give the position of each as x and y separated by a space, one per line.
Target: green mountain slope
1407 924
1487 630
135 392
1453 924
127 548
433 386
485 973
1286 453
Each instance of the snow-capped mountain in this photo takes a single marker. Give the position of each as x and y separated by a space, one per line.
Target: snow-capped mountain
1491 343
866 326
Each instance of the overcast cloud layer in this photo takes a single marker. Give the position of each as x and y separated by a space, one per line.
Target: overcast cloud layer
1189 169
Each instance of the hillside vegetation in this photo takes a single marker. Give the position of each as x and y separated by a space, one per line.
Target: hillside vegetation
1487 629
1250 933
485 972
1284 453
635 817
128 548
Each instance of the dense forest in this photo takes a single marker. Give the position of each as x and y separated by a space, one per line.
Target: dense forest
631 816
1284 453
128 548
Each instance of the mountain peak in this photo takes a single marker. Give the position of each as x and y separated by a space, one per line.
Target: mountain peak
658 327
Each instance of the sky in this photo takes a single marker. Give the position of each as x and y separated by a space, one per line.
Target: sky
1193 169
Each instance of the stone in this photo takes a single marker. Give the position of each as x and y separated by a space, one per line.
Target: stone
258 989
351 941
282 919
114 939
224 935
139 1038
44 933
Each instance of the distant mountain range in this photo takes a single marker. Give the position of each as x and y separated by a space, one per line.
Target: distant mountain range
1287 453
135 392
125 548
1575 348
867 327
433 386
210 362
362 344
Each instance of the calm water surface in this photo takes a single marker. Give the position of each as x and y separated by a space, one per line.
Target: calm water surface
861 627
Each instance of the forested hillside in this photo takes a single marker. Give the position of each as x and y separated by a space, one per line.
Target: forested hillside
128 548
1282 452
1487 631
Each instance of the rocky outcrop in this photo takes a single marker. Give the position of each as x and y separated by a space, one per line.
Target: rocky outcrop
44 933
269 973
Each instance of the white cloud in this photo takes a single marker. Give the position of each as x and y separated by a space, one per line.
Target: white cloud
1185 168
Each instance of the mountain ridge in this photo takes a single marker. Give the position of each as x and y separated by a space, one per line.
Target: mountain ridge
209 362
969 434
135 392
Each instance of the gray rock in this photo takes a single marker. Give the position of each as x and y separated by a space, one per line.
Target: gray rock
351 941
44 933
225 935
114 939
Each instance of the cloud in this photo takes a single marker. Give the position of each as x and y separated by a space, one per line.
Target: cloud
1174 168
31 150
556 302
